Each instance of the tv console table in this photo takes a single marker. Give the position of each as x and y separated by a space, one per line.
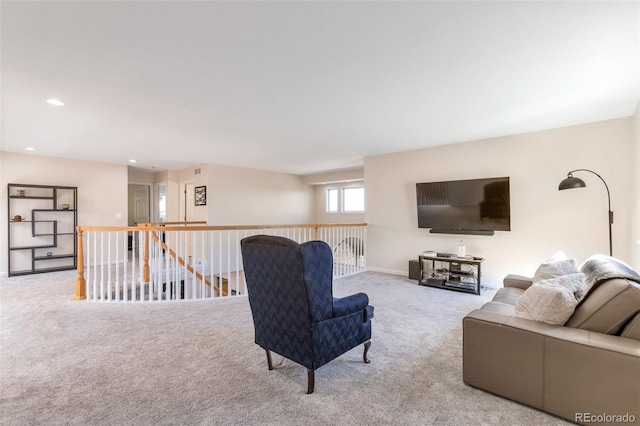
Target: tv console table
450 272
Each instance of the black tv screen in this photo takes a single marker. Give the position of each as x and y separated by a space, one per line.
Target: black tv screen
464 205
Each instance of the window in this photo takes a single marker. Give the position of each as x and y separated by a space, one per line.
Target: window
352 200
345 200
332 200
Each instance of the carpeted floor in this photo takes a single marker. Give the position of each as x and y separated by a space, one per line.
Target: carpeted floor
195 363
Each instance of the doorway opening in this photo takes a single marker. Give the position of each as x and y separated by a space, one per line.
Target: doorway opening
139 210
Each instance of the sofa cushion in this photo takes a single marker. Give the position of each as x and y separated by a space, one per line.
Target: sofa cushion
555 267
632 329
546 301
607 307
499 308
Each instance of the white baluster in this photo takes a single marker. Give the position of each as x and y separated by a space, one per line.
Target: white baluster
238 261
108 266
228 263
90 290
117 266
194 263
220 288
95 266
211 265
134 247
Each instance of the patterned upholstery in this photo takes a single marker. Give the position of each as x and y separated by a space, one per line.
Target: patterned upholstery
294 311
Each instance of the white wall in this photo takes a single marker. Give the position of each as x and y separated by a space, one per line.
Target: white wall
199 178
102 188
635 229
172 179
543 219
236 196
239 196
140 177
338 176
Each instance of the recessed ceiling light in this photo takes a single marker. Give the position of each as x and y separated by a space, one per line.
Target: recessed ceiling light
56 102
30 149
132 161
150 167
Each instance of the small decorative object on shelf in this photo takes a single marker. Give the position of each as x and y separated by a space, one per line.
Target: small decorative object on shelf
17 218
65 207
20 192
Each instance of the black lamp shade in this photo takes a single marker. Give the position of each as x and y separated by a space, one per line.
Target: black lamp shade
571 183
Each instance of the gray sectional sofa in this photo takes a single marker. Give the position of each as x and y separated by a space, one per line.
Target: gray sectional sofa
586 370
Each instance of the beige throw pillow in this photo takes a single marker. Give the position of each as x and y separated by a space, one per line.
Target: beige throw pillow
546 301
555 268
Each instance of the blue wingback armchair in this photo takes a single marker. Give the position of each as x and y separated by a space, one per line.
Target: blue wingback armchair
294 311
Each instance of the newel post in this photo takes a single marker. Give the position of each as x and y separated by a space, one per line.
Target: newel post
81 284
145 270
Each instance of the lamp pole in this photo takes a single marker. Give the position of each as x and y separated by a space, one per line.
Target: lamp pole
572 182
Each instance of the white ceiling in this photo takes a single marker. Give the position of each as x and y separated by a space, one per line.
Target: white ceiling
305 87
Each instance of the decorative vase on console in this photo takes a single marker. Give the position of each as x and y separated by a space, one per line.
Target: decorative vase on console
462 249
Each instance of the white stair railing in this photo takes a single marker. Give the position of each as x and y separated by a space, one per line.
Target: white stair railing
189 261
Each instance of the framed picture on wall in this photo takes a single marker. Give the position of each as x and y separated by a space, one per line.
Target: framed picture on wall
201 195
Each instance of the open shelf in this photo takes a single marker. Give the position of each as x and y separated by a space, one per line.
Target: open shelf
32 247
30 198
49 227
41 271
451 273
54 256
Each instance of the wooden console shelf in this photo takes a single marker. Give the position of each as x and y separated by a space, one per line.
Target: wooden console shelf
451 272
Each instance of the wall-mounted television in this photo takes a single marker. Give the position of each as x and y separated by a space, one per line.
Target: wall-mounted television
473 206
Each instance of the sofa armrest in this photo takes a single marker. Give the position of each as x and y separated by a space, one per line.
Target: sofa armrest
557 369
518 281
349 304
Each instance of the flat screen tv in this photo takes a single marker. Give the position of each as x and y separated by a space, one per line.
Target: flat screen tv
473 206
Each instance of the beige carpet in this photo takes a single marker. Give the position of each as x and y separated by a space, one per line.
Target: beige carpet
195 363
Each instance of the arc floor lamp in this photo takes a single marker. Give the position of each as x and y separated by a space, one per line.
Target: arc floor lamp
573 182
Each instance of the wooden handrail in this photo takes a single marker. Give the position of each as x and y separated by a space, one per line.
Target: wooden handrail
217 228
196 222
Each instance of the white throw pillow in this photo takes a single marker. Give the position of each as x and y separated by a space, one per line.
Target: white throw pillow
554 267
547 302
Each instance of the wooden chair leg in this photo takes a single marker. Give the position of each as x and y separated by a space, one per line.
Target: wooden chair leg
269 362
311 380
367 345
